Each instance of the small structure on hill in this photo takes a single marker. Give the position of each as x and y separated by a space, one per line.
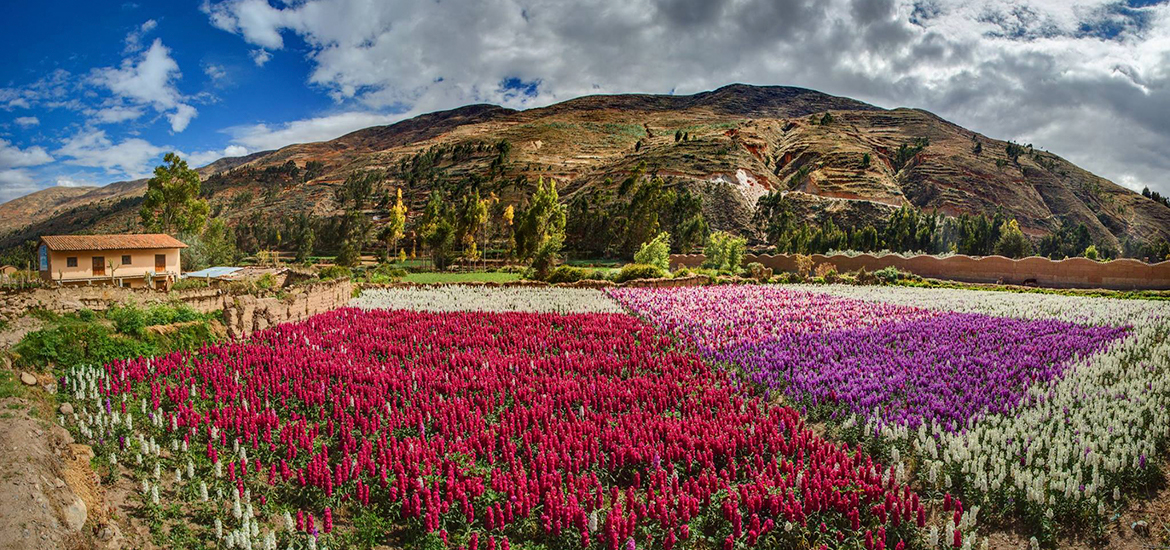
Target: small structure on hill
133 260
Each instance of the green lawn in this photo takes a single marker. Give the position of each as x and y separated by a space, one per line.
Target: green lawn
470 277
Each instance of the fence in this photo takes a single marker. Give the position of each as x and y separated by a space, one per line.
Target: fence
1123 274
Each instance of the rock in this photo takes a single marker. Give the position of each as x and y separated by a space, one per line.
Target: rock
75 514
58 483
105 533
28 379
1141 527
50 388
66 408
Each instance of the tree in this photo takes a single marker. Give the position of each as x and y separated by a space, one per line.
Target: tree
543 221
725 251
172 204
395 224
1012 242
1091 252
215 246
655 252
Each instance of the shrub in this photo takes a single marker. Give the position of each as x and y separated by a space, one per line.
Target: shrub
128 319
630 272
655 252
827 272
86 314
1091 252
725 251
757 271
190 283
888 275
804 264
567 274
335 272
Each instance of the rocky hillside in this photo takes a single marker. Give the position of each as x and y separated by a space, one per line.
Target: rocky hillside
835 156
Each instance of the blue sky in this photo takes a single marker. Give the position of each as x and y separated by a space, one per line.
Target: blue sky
96 92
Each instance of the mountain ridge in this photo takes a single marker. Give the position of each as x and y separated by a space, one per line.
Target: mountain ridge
835 157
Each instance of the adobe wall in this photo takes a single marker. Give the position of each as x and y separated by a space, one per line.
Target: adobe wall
1125 274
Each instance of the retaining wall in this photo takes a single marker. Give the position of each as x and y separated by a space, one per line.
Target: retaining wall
1125 274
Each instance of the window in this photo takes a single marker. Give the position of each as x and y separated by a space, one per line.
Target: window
99 266
160 263
71 261
125 259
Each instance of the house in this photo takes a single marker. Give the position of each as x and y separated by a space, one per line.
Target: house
121 260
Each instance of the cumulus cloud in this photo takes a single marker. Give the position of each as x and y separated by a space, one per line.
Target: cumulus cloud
15 179
203 158
12 156
1040 70
259 137
27 121
134 38
130 158
260 56
149 79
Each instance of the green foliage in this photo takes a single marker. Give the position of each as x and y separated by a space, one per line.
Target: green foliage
334 272
630 272
214 247
571 274
190 283
907 151
129 320
655 252
725 251
1012 242
541 227
172 204
1069 240
1091 252
888 275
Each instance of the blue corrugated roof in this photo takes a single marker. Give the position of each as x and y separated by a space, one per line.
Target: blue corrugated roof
213 272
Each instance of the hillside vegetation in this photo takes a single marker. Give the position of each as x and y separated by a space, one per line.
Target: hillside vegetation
629 166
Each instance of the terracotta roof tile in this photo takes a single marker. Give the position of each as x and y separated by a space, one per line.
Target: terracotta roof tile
110 242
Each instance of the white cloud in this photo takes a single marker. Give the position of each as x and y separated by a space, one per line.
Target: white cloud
114 114
1006 68
260 56
134 38
12 156
181 117
73 181
131 158
27 121
214 72
15 183
148 79
260 137
199 159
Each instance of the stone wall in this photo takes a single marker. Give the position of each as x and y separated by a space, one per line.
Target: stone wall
1122 274
245 314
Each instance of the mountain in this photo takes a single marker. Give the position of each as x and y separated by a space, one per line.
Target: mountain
855 165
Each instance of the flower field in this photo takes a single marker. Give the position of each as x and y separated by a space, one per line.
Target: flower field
479 430
1041 407
549 418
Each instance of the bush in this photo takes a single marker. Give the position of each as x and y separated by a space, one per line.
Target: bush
888 275
567 274
129 320
630 272
804 264
86 314
190 283
656 252
757 271
725 251
79 344
335 272
826 272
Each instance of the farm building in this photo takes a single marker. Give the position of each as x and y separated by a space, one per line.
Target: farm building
121 260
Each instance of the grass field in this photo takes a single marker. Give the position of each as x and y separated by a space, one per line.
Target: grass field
470 277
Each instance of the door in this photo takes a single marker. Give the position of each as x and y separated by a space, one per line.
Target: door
99 266
160 263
